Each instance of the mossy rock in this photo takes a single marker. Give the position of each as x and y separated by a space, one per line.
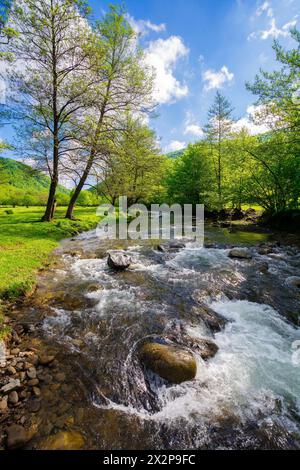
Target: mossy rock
172 363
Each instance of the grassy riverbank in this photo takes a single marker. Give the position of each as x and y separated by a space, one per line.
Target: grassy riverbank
26 243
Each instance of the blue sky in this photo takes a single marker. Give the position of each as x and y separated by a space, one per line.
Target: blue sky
200 46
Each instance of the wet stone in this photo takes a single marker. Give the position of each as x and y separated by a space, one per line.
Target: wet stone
240 253
169 361
119 261
34 405
16 437
65 440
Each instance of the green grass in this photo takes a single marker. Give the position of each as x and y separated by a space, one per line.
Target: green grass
252 206
26 243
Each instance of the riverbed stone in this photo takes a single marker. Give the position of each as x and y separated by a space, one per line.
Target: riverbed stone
3 404
31 373
212 319
240 253
13 398
45 360
64 440
12 385
119 261
206 347
36 391
17 437
11 370
169 361
33 382
293 281
263 267
60 376
15 351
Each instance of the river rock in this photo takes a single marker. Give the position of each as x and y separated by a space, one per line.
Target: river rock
240 253
13 398
15 351
45 360
206 348
36 391
119 261
64 440
176 245
169 361
31 373
212 319
12 385
293 281
3 404
161 248
11 370
263 267
33 382
16 437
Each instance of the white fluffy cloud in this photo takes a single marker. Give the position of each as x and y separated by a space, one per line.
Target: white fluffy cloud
175 145
248 122
163 55
143 27
265 7
215 80
191 127
272 31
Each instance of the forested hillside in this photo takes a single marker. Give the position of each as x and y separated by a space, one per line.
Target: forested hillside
22 185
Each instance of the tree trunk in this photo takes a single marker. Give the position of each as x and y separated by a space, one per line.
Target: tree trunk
49 212
84 177
93 152
50 209
78 189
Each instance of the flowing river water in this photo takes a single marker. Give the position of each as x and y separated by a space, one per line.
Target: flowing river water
247 396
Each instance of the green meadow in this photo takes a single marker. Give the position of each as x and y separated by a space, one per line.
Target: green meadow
26 243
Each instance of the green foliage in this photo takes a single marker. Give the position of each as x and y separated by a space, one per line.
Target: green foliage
279 91
134 166
241 169
190 177
218 130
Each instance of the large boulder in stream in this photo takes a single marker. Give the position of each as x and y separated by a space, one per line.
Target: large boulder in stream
240 253
119 261
169 361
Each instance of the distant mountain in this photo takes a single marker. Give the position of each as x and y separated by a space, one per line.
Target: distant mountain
19 175
176 154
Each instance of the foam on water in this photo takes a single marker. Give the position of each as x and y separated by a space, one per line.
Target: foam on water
251 376
252 372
